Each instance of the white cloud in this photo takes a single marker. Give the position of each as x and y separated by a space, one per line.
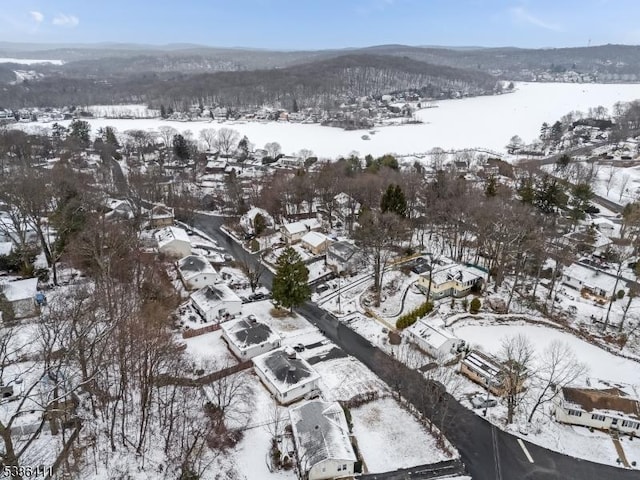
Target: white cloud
38 17
522 15
63 20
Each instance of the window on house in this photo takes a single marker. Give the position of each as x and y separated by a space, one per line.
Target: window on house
630 424
599 418
339 469
574 413
344 467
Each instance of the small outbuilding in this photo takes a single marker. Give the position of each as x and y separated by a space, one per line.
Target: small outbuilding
21 296
315 242
435 341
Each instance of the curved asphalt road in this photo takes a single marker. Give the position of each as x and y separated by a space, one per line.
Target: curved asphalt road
489 453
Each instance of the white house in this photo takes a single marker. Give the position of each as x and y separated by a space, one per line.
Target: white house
591 280
216 302
287 376
173 241
196 272
117 208
436 341
344 257
21 295
247 220
247 338
293 232
321 436
315 242
451 279
607 409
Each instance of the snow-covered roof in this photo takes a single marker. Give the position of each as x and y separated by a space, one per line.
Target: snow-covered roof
193 265
302 226
593 278
454 271
285 369
246 332
246 221
167 235
314 239
434 336
342 250
482 364
161 211
321 432
20 289
601 221
210 296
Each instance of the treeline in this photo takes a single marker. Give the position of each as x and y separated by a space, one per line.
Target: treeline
320 84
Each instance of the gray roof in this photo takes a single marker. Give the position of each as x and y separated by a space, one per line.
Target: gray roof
342 250
248 332
194 263
284 369
321 433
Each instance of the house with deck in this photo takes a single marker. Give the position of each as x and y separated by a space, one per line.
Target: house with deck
173 242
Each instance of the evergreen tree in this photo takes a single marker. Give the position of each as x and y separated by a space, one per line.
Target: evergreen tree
491 186
580 197
109 137
393 200
295 108
259 224
163 111
291 281
80 130
243 149
180 147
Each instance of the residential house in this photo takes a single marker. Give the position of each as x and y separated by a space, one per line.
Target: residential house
197 272
435 341
592 281
247 338
604 226
216 166
293 232
607 409
323 444
451 279
344 257
21 295
118 209
287 376
161 216
484 370
216 303
315 242
173 241
247 221
590 240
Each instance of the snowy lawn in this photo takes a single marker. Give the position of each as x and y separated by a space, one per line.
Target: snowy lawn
209 352
602 364
389 437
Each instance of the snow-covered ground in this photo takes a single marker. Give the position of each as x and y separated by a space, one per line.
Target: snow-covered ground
601 364
487 122
389 437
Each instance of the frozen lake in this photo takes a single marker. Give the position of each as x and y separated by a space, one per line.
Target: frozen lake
482 122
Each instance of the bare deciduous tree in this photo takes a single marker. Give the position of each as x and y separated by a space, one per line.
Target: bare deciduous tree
227 141
516 355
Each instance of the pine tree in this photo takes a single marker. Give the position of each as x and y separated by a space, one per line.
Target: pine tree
163 112
491 187
180 147
291 282
393 200
80 130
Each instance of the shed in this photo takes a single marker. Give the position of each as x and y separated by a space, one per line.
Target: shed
21 295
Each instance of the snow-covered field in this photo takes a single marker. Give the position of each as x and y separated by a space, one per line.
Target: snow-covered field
601 364
390 438
487 122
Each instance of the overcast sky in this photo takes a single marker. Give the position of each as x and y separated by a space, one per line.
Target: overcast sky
317 24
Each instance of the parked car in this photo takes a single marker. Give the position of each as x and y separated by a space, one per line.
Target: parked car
298 347
315 393
322 288
481 401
